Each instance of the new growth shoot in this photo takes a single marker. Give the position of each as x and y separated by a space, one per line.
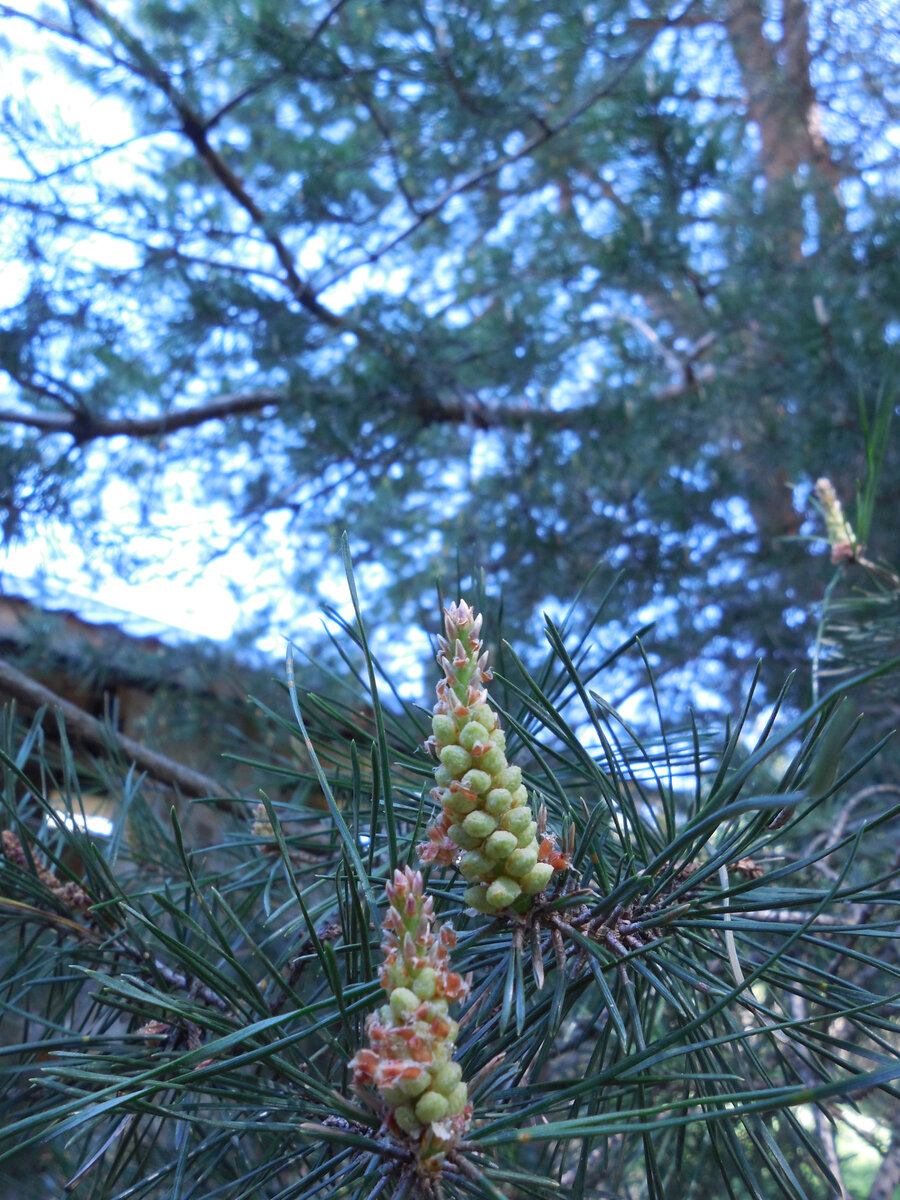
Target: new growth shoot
486 825
409 1061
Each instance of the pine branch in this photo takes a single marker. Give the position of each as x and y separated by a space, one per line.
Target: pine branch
195 128
15 909
93 733
85 427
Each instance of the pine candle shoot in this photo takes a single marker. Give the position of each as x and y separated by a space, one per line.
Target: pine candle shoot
838 529
411 1038
486 825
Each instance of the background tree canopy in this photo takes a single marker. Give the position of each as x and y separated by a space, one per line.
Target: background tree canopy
533 284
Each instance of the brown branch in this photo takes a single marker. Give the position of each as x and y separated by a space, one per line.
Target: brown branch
194 127
821 1114
887 1177
429 410
85 427
16 685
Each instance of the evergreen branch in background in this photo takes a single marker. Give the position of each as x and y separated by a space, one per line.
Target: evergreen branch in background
546 132
228 165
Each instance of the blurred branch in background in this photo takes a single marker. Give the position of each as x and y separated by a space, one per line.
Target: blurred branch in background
97 736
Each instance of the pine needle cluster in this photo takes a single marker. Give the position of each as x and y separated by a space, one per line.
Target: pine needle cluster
695 992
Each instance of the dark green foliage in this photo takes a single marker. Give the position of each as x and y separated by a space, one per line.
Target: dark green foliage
721 960
536 285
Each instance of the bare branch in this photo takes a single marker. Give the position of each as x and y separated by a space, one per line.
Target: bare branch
84 427
16 685
44 422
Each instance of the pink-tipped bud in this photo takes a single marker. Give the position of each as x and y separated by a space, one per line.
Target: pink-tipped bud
409 1057
477 788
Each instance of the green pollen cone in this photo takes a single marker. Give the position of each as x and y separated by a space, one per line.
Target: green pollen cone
411 1038
478 789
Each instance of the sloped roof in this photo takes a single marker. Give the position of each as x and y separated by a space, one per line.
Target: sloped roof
85 635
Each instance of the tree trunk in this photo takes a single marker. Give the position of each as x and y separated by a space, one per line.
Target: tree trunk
780 95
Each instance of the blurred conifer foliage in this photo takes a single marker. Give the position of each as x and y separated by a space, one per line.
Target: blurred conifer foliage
701 1000
542 284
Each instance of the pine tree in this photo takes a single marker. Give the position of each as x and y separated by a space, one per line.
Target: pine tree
534 286
693 978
